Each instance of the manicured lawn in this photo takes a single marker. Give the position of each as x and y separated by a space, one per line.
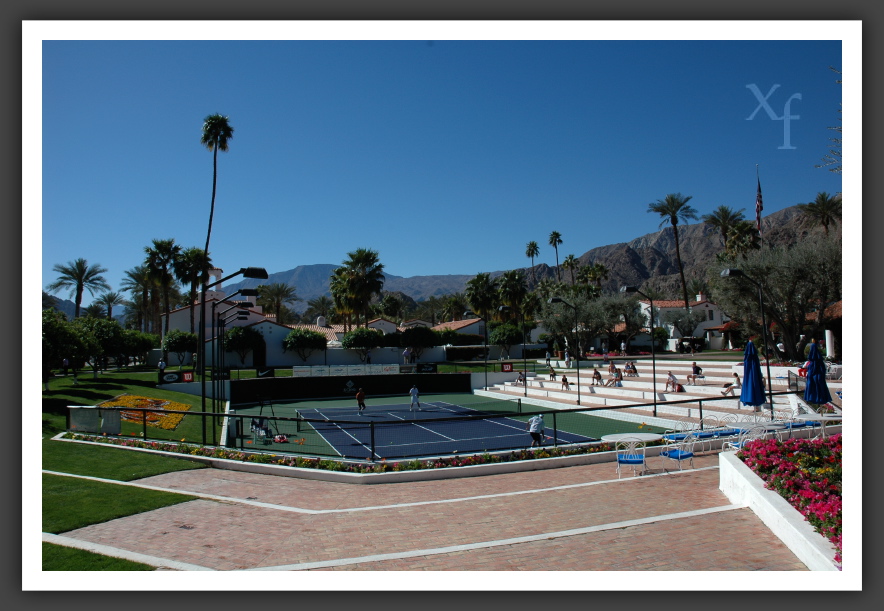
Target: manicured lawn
61 558
70 502
107 462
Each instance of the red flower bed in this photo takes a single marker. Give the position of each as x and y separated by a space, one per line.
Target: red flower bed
807 473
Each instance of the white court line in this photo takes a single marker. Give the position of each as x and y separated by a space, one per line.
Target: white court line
226 499
496 543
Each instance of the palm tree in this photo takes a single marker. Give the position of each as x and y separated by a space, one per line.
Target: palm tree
555 239
216 134
512 290
109 300
597 273
139 282
430 309
824 210
340 287
366 278
93 310
723 219
192 268
161 261
742 238
78 276
481 294
570 263
319 306
531 251
274 296
674 209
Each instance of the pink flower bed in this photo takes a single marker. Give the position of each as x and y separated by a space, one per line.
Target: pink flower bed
807 473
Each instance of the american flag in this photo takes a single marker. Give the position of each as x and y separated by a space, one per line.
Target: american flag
759 206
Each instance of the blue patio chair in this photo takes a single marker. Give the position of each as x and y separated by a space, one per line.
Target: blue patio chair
630 452
681 450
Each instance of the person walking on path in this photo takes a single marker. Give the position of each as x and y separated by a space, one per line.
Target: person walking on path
415 398
162 367
360 401
66 363
548 357
535 428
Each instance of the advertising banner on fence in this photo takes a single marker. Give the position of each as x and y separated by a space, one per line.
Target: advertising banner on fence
302 371
320 371
506 367
426 368
172 377
337 370
356 370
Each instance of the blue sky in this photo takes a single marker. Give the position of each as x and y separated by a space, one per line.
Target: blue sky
446 156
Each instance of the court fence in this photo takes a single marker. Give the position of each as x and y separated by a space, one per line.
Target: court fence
490 426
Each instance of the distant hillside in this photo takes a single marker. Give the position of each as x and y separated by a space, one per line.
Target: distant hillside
651 255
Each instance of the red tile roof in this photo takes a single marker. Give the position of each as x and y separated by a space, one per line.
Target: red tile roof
456 324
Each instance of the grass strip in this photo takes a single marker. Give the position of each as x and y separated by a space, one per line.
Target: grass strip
70 503
109 462
61 558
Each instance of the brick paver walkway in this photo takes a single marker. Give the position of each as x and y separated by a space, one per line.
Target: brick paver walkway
574 518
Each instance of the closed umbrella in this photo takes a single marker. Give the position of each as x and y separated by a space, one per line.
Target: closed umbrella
753 386
816 390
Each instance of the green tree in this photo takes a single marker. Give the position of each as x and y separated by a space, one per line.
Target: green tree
180 343
532 250
430 309
390 306
217 132
304 342
684 321
342 293
454 306
742 239
192 269
101 338
723 219
825 210
570 263
242 340
419 339
673 209
481 294
94 310
161 260
362 339
139 282
275 296
319 306
78 276
512 291
365 278
109 300
49 301
798 283
598 273
505 335
137 344
555 240
60 341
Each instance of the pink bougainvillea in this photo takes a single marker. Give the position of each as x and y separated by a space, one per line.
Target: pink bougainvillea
807 473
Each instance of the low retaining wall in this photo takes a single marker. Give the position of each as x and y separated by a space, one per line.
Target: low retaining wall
740 484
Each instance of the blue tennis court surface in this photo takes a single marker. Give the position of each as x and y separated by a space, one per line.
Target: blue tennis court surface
437 429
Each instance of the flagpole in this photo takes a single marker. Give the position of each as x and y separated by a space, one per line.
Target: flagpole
759 206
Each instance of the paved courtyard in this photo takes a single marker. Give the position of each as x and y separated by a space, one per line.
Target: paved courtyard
570 519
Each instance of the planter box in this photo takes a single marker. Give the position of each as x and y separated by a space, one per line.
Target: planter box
740 484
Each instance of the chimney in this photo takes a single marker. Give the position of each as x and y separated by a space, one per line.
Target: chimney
701 297
320 321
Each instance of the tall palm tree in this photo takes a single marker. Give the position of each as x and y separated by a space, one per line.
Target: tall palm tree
481 294
139 282
109 300
274 296
742 238
570 263
825 210
531 251
555 239
217 132
192 268
340 286
723 219
79 276
674 209
430 309
598 273
161 261
366 278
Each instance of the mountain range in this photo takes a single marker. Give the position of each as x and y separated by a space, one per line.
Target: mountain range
628 263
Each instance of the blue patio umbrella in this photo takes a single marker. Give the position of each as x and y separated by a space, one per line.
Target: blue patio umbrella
753 386
816 390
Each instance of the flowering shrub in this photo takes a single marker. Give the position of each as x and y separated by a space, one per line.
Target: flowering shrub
807 473
356 466
168 421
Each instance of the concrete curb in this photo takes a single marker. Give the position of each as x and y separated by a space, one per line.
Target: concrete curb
742 487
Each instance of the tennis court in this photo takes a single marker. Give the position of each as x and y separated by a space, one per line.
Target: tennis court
387 429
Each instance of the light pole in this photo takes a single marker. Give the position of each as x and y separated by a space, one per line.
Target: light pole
485 347
633 289
218 340
731 273
506 308
576 334
247 272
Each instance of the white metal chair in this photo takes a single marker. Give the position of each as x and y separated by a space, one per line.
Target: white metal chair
681 450
746 435
630 452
